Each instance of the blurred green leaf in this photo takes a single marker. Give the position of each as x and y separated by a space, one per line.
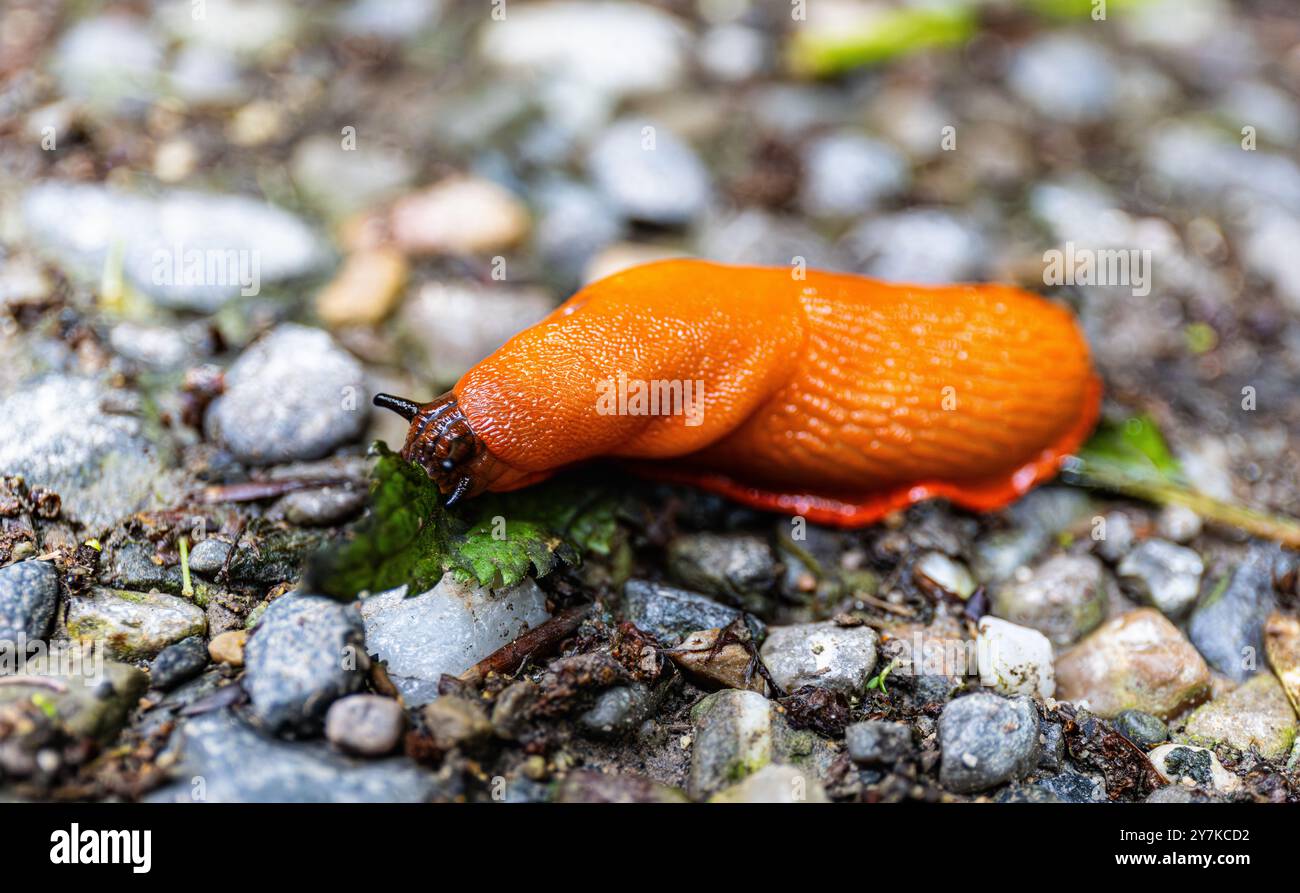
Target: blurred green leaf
410 538
1132 458
821 52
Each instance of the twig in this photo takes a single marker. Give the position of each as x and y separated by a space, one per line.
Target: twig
536 641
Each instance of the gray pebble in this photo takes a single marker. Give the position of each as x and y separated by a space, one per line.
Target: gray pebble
1143 729
365 724
823 654
878 743
29 595
987 740
1163 575
648 173
178 663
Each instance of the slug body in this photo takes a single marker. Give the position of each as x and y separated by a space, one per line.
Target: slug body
835 397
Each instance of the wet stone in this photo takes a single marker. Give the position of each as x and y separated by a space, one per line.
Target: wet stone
986 740
774 784
209 556
293 395
617 711
29 595
649 174
178 663
1192 766
83 703
848 174
306 652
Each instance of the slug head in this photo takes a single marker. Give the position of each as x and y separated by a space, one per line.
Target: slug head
441 441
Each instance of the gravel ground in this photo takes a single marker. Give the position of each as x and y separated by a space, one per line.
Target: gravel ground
221 234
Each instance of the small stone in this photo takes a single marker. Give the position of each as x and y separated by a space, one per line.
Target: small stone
29 595
133 625
670 614
456 722
1178 523
365 724
587 786
306 652
649 174
822 654
1014 660
1117 539
878 743
1192 766
986 740
1143 729
1255 715
459 215
848 174
1063 598
733 53
1052 752
114 61
510 710
178 663
365 290
293 395
1073 787
1137 661
1163 575
1065 78
168 244
1038 519
228 648
1227 627
1282 645
774 784
732 739
446 630
617 711
591 44
727 666
740 569
575 224
209 556
945 573
322 506
347 180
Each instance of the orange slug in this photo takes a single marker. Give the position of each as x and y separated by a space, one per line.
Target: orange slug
831 396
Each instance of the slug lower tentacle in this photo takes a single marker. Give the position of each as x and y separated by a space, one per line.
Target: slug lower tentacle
832 396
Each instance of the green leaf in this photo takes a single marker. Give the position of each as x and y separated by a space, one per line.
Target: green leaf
410 538
1133 459
822 51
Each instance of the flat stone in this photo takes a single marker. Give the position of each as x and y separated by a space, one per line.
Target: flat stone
134 625
1063 598
986 740
1137 661
459 215
822 654
1143 729
446 630
649 174
1255 715
670 614
225 760
29 595
1227 627
306 652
